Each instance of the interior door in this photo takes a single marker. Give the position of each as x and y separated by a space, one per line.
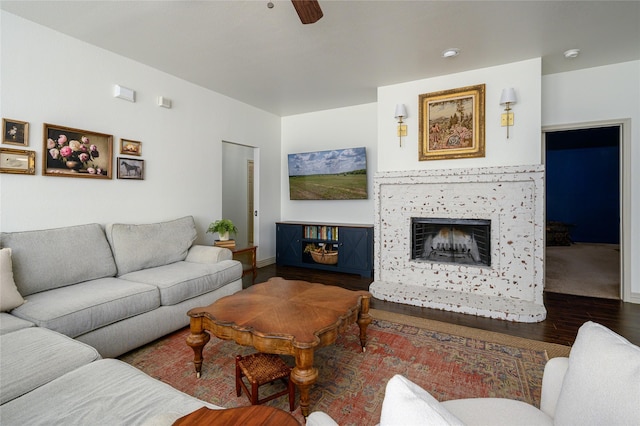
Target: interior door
250 205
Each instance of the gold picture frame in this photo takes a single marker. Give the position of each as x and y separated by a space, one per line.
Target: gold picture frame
70 152
129 147
19 161
452 123
15 132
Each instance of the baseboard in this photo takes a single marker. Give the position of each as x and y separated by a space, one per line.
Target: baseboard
265 262
634 298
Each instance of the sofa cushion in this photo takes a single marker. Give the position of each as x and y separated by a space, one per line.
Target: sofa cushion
10 297
180 281
10 323
602 384
34 356
406 403
104 392
52 258
78 309
138 247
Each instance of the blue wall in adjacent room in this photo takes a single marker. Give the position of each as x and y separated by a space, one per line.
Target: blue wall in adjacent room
583 183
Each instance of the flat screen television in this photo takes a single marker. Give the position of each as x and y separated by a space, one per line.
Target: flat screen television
337 174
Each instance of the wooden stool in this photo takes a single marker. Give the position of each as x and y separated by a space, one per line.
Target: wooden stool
259 369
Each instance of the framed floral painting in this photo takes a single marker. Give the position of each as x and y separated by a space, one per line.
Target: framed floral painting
452 123
72 152
15 132
17 161
130 168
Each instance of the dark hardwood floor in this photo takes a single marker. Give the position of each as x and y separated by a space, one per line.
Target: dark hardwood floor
565 313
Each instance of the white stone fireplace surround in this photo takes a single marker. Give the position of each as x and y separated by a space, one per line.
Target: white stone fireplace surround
511 197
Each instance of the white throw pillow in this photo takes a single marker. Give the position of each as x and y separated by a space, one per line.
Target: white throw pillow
406 403
10 298
602 383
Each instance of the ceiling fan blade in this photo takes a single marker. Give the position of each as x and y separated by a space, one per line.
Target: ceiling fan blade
308 10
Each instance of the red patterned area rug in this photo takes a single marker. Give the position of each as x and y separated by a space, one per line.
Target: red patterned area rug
447 360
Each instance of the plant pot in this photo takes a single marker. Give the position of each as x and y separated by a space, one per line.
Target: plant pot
224 236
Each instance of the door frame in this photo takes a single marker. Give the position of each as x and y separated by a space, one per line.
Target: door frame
625 192
256 188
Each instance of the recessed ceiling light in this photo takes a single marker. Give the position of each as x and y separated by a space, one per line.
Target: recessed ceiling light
572 53
451 52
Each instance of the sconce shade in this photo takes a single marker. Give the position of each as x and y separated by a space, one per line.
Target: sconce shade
508 96
401 111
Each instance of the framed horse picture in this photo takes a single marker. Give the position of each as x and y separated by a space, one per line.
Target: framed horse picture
130 168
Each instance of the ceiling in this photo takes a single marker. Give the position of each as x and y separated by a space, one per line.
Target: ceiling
267 58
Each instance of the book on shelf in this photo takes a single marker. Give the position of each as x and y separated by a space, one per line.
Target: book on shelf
321 232
226 243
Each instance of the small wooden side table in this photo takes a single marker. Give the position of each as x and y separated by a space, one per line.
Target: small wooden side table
246 256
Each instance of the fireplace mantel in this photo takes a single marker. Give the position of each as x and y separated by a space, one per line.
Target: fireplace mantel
511 197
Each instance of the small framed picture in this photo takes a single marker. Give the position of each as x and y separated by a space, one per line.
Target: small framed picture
130 168
17 161
15 132
128 147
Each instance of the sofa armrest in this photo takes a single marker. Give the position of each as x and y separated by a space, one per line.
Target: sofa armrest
208 254
554 372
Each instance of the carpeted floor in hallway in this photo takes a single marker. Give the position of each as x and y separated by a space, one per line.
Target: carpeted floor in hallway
584 269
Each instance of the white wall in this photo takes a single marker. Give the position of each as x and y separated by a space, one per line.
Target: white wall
348 127
609 93
47 77
523 145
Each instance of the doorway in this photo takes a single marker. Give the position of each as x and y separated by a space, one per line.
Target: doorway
238 183
583 211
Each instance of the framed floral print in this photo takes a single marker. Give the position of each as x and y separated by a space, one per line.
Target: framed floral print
72 152
452 124
15 132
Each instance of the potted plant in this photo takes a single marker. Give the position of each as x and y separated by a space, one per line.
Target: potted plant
223 227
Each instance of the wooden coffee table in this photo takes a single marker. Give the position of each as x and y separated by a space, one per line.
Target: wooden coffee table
282 317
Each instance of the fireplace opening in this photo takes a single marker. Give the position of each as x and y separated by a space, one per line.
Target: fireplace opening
462 241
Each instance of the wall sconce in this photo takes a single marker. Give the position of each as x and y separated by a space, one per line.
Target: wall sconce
508 97
401 112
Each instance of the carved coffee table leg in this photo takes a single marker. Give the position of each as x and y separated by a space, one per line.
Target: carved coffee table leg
304 376
364 319
197 339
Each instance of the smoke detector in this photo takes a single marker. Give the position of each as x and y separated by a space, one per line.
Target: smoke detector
572 53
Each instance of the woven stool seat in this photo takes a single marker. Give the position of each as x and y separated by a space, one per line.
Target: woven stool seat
260 369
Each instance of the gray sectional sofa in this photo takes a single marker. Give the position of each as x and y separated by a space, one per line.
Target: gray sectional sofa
51 379
118 287
75 295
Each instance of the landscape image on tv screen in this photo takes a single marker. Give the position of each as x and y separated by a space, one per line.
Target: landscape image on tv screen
337 174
